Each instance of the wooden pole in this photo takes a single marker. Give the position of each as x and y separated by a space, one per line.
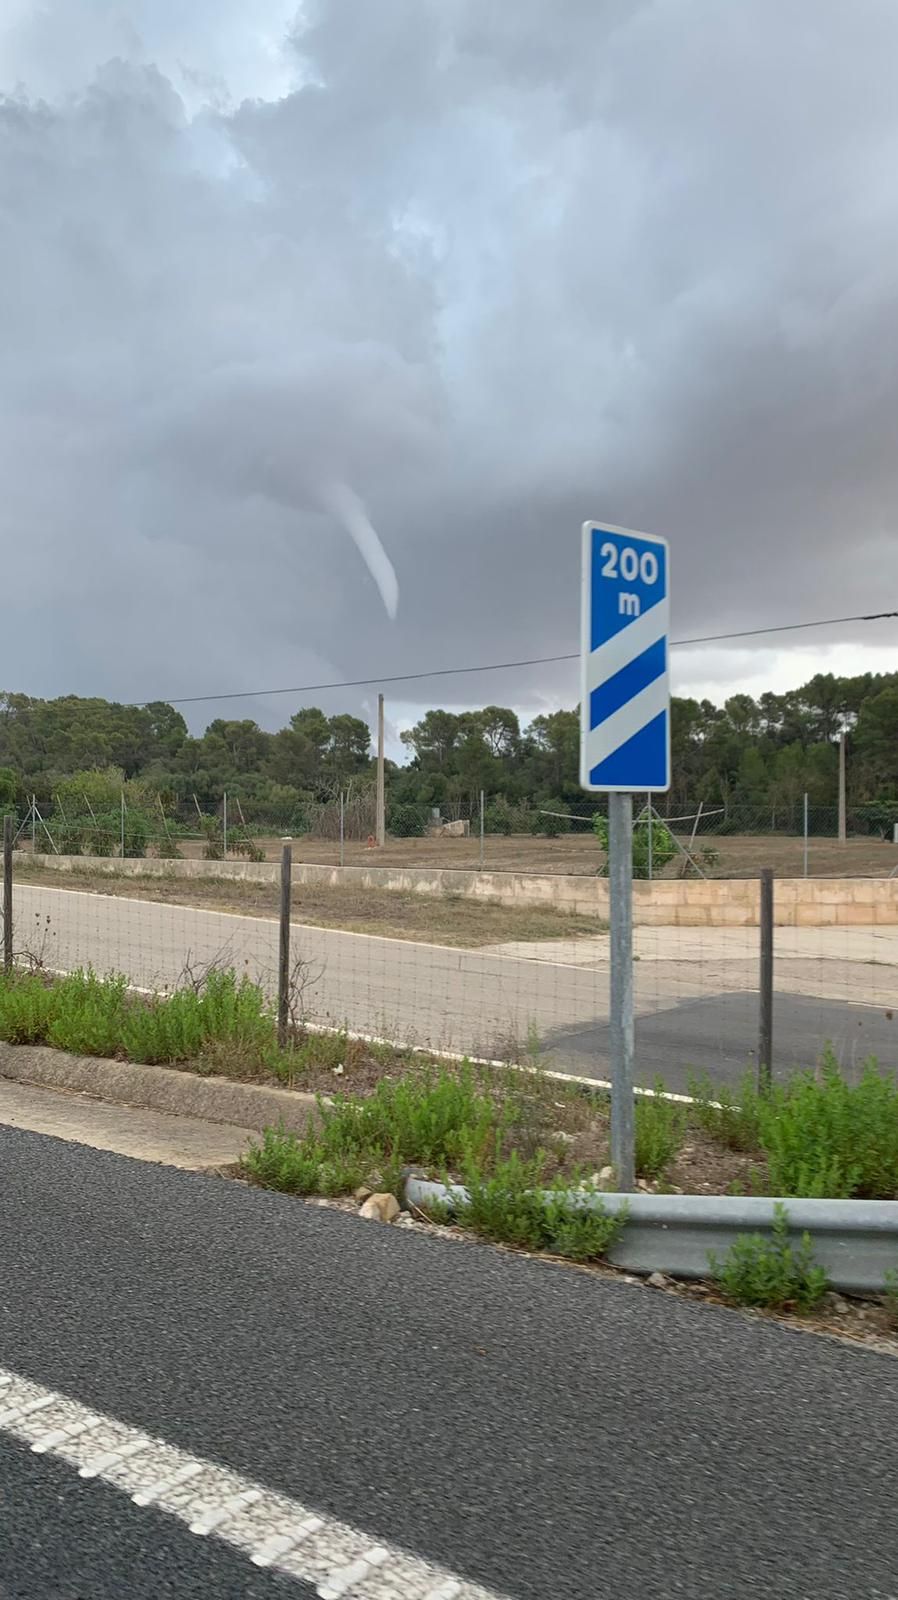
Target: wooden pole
381 807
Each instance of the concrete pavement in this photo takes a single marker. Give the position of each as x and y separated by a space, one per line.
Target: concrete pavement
534 1429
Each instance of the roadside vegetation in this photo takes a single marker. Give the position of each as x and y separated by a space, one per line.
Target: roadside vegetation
527 1156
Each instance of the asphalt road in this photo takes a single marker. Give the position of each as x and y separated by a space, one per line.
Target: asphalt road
697 1012
533 1428
64 1541
718 1034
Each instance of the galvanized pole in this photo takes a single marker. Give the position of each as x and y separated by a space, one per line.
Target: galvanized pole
649 809
805 835
381 828
843 827
481 830
284 943
7 894
123 823
765 1018
224 827
342 829
33 824
620 879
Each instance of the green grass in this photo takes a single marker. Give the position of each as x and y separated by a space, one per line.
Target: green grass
771 1272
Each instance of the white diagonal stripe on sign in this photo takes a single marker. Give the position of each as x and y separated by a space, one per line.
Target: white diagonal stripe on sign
622 724
627 644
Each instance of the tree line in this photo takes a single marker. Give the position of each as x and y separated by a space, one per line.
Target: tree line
763 754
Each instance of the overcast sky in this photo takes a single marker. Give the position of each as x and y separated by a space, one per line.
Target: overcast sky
300 306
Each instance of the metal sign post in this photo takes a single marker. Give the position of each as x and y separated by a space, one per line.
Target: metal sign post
624 746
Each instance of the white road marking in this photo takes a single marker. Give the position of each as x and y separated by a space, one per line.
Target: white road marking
271 1529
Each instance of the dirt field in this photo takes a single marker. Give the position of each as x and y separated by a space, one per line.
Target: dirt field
737 856
434 919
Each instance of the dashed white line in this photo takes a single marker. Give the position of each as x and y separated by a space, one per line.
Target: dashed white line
340 1562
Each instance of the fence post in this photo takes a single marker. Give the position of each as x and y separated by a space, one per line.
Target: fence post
123 824
481 830
648 801
284 943
7 894
805 835
33 824
224 827
342 830
843 827
765 1017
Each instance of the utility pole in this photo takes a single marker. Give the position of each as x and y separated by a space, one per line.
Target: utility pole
381 811
843 831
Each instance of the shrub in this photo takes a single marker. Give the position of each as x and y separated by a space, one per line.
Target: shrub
732 1119
513 1205
825 1137
87 1013
26 1004
299 1165
663 844
407 822
772 1272
498 818
660 1127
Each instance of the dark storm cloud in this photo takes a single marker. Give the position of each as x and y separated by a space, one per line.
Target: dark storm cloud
489 269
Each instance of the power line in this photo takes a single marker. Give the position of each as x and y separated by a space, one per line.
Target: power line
499 666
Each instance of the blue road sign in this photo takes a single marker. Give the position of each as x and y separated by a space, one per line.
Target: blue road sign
625 692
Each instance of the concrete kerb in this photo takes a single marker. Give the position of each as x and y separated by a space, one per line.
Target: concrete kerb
185 1094
855 1240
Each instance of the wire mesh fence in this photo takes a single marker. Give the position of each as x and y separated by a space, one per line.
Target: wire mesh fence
501 981
796 839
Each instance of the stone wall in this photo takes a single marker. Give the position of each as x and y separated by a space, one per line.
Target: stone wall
698 903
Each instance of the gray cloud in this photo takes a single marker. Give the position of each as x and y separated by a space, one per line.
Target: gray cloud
495 268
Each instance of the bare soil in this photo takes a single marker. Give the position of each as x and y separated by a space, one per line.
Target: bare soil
392 913
578 854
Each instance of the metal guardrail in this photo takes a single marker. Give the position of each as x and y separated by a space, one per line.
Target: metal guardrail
855 1240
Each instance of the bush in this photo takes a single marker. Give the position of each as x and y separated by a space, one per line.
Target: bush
733 1121
407 822
664 846
550 820
659 1131
87 1014
824 1137
498 818
513 1205
772 1272
26 1003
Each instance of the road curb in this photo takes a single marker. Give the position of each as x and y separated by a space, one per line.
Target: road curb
855 1240
184 1094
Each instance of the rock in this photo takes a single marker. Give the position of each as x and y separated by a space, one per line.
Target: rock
564 1138
658 1280
835 1303
380 1208
604 1175
645 1186
361 1194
